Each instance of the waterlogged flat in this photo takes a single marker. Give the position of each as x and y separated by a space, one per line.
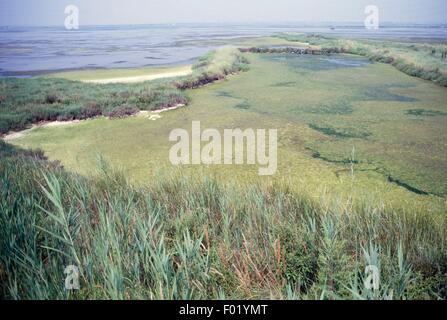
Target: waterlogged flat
366 107
335 116
317 62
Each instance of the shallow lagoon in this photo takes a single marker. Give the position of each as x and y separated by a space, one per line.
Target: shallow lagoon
318 63
331 112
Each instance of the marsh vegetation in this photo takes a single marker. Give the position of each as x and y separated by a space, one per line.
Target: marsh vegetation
361 181
425 61
27 101
193 237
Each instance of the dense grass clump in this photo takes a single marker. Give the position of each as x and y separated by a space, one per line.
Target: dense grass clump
122 112
425 113
342 132
189 237
26 101
213 67
425 61
34 100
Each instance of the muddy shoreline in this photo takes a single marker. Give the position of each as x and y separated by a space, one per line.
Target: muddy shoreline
12 135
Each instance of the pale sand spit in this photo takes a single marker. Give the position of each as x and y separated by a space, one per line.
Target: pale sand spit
161 75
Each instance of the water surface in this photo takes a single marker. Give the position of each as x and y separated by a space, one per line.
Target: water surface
29 50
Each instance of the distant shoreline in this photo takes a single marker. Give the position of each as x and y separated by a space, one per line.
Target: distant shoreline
35 51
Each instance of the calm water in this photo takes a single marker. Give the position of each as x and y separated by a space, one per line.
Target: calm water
27 51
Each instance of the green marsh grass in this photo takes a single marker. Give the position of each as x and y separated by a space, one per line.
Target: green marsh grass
147 231
192 237
426 61
388 142
28 101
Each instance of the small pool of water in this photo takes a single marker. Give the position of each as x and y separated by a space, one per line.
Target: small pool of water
320 63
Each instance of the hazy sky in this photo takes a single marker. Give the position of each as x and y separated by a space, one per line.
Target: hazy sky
94 12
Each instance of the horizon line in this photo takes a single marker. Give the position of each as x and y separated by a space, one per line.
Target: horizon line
234 23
